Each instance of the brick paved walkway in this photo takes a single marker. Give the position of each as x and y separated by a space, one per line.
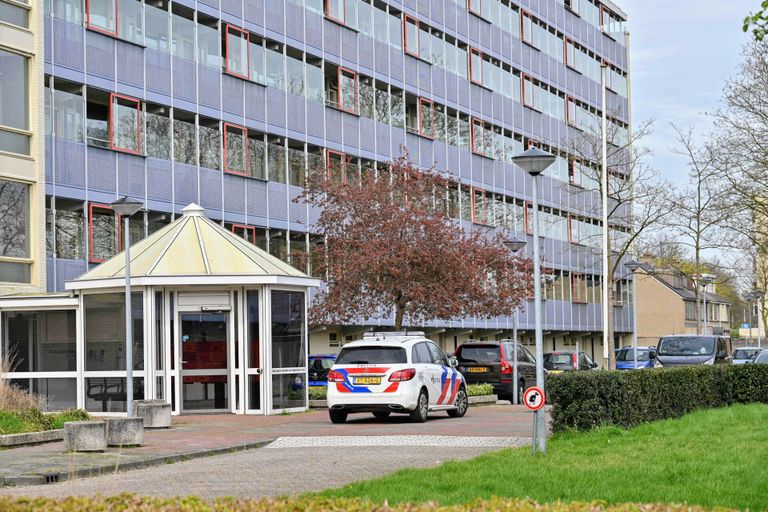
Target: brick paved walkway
195 436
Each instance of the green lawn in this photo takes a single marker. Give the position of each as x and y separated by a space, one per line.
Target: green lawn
711 458
32 420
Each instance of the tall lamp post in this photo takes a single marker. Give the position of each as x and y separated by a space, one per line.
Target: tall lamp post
126 207
633 267
515 245
757 295
534 161
705 280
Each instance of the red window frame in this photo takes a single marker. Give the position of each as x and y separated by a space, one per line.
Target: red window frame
528 208
245 228
247 35
567 41
343 162
422 102
582 297
473 136
603 12
571 227
572 172
406 19
99 206
525 78
328 12
484 214
524 35
570 119
473 11
89 26
339 72
244 131
112 98
475 51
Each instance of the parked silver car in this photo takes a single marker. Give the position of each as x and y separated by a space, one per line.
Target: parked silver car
745 354
761 358
693 349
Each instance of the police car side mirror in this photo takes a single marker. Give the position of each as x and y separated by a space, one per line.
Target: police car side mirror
453 362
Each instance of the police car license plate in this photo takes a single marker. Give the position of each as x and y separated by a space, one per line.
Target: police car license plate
478 369
367 380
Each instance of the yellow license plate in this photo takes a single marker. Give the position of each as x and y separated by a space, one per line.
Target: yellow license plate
367 380
555 371
479 369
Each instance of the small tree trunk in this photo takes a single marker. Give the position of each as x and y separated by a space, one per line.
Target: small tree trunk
399 313
609 328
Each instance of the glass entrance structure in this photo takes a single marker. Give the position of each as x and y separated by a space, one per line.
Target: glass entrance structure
219 325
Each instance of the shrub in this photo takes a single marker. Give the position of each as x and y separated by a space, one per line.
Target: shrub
13 398
318 392
308 504
479 389
583 400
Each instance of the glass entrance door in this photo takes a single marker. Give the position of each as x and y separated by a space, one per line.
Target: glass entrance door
204 373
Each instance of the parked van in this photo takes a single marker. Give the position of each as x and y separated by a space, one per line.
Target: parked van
693 349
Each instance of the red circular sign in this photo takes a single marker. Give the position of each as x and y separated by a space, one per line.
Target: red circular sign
534 398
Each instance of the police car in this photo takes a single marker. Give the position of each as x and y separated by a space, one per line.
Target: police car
395 372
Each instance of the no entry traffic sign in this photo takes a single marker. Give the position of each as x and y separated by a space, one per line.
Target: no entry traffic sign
534 399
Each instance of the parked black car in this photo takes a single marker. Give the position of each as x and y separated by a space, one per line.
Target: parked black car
491 362
567 361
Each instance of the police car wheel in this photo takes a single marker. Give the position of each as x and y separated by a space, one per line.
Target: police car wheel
419 414
461 403
337 416
380 415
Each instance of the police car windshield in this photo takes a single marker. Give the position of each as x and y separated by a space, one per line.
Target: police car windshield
686 346
372 355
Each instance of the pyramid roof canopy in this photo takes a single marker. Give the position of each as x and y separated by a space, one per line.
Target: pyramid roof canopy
193 250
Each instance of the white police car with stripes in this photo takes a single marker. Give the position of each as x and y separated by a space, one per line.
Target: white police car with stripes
395 372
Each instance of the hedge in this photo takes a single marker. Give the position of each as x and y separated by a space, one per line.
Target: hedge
131 503
33 420
583 400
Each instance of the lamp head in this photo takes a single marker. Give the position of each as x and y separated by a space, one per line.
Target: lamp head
126 207
514 244
534 161
633 265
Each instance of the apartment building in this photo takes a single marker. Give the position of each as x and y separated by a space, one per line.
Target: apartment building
230 103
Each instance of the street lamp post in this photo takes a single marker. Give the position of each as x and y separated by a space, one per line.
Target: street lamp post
515 246
757 295
534 161
633 266
705 280
125 207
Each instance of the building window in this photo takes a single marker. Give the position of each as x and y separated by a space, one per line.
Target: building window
411 35
570 53
426 118
14 231
246 232
570 112
482 212
101 15
235 149
104 228
578 288
476 66
336 10
237 50
526 27
528 218
479 135
476 6
347 85
41 341
14 13
125 125
13 103
336 164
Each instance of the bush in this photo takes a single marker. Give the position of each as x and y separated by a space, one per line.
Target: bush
318 392
479 389
13 398
32 420
583 400
308 504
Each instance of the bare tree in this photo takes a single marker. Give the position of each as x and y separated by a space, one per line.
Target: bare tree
638 197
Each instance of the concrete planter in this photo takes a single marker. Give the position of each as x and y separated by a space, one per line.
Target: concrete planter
318 404
27 438
155 413
85 436
125 431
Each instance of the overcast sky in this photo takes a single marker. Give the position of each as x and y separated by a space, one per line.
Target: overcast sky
681 54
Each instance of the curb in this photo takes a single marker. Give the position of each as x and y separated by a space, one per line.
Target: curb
61 476
47 436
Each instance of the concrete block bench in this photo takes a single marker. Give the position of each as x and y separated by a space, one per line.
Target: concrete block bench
85 436
125 431
155 413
